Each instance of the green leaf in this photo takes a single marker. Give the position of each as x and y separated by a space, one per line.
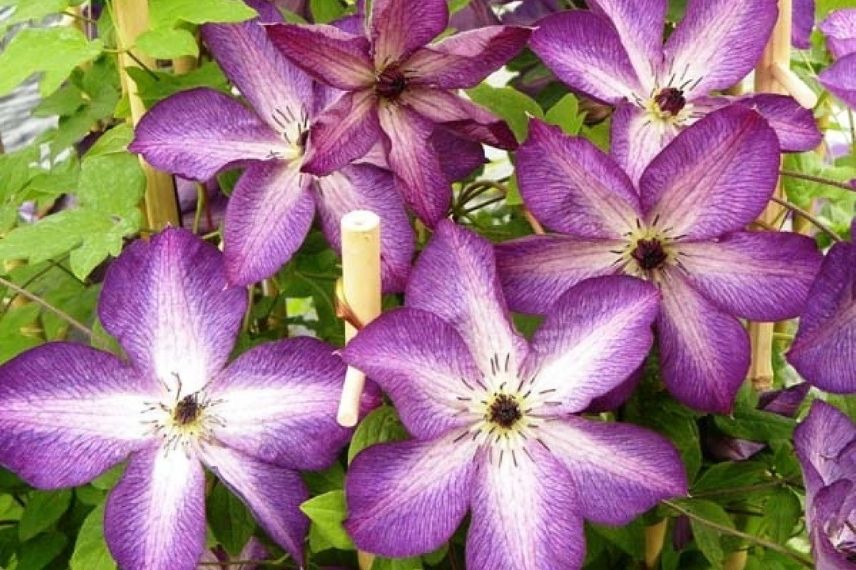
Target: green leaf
26 10
327 513
153 88
414 563
457 5
39 552
566 115
509 104
168 13
629 538
707 539
782 515
43 510
729 474
380 426
111 183
325 11
90 550
230 521
53 51
168 43
755 425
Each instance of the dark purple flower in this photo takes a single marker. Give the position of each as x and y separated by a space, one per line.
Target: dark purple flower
681 228
494 417
200 132
615 54
213 210
825 444
802 22
824 350
398 89
840 77
71 412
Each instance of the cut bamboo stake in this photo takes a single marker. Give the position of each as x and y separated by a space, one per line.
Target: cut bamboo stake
131 18
362 295
655 537
776 56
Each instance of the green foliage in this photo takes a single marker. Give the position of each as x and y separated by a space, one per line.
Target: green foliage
381 425
230 521
43 510
90 550
327 513
509 104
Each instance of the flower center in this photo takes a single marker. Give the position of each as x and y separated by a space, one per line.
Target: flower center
649 254
187 410
504 411
185 420
670 101
293 128
390 83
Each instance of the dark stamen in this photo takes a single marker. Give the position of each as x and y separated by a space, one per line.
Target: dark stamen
505 411
670 100
188 410
649 254
390 83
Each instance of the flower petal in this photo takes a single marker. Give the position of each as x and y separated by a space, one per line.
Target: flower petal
762 276
794 125
464 60
704 352
636 140
840 79
573 187
524 515
584 50
414 161
344 132
819 440
840 31
155 517
830 503
400 28
70 412
461 116
273 494
640 27
423 364
365 187
168 304
268 216
803 22
594 337
536 270
407 498
718 43
197 133
459 157
278 402
619 470
824 351
328 54
275 87
455 278
716 176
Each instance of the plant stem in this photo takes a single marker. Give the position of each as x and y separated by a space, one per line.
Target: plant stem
278 562
817 223
80 17
45 305
818 179
483 204
796 556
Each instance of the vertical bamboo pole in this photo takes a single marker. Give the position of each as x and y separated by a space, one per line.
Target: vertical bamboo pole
131 18
361 288
655 536
777 54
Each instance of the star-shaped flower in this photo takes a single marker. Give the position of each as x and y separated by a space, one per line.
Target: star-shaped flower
398 89
680 228
71 412
200 132
824 350
825 444
615 54
493 417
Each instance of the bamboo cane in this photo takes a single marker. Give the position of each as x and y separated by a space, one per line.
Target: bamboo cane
655 536
776 56
131 18
361 292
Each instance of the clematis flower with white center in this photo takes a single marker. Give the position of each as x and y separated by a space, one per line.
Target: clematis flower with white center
71 412
493 417
615 54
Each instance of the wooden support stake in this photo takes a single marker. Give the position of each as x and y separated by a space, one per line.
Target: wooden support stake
131 18
362 295
776 55
655 537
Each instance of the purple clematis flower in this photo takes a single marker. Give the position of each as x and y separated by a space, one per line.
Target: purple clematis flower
681 228
493 417
840 77
615 54
71 412
398 89
825 444
200 132
824 350
802 20
253 550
